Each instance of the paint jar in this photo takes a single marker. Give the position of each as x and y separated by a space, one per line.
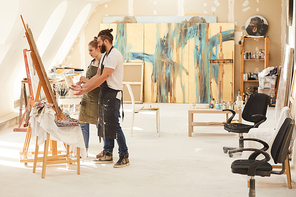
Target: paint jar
239 102
239 105
218 106
229 105
224 106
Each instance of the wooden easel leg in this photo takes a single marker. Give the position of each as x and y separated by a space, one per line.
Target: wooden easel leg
29 129
36 155
27 142
288 172
78 160
46 145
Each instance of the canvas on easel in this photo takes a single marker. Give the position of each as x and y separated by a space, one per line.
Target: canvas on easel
54 158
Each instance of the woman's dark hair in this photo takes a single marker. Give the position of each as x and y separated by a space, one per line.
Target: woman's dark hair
106 34
94 42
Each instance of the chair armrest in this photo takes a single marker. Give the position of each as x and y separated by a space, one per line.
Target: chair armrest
266 146
254 155
256 125
253 167
233 114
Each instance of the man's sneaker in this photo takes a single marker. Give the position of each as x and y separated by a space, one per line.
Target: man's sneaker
106 158
100 154
122 162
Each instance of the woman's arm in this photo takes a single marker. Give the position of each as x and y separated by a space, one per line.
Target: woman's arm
94 82
90 81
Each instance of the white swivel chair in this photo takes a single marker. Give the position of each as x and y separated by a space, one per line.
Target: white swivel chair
134 111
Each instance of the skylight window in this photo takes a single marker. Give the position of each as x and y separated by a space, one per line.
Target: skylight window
8 12
51 27
72 35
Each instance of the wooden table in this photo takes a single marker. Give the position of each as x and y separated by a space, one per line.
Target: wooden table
191 122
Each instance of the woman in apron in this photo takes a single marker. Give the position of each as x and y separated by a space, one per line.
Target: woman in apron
89 103
109 78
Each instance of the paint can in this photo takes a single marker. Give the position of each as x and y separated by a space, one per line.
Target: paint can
218 106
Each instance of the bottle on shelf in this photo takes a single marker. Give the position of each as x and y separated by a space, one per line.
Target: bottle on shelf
239 101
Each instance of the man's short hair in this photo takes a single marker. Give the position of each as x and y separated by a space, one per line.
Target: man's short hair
106 34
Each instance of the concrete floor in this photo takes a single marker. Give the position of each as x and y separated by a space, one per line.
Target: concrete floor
170 165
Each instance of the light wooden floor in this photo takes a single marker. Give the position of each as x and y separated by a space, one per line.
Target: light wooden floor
170 165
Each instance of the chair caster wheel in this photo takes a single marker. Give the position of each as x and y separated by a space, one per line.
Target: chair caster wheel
26 164
225 150
230 154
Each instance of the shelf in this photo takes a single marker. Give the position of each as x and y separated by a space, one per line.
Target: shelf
246 65
254 38
254 60
251 81
221 61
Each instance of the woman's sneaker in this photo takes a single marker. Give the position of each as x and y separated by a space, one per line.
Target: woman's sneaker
106 158
122 162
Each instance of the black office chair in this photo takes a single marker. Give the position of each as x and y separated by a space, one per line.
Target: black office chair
254 111
279 151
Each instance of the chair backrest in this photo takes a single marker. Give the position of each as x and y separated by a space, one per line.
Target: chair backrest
280 146
131 95
256 104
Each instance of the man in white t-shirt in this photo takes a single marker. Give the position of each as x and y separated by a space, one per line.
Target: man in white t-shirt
109 78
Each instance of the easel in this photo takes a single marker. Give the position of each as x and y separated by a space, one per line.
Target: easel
31 99
44 83
221 61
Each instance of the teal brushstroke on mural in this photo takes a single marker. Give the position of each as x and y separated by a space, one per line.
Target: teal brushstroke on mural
214 75
165 70
121 40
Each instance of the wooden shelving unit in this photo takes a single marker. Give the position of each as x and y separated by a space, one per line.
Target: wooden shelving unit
249 65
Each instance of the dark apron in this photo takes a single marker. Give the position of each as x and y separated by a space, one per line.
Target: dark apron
89 102
107 117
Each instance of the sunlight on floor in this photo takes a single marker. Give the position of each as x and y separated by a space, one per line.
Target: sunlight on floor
9 153
11 144
15 164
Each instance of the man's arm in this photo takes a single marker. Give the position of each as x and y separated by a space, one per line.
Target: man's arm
95 81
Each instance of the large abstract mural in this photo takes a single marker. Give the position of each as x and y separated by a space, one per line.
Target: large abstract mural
179 59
